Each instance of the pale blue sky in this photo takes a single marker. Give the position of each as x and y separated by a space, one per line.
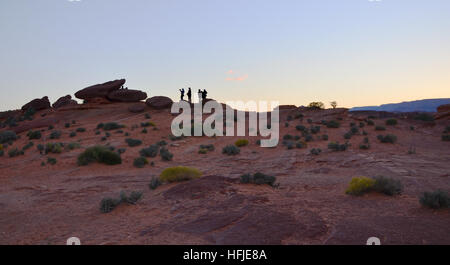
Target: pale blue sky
356 52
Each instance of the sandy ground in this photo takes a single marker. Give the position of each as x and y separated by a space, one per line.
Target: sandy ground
48 204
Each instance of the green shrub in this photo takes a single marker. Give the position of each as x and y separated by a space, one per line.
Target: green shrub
7 136
154 183
388 186
391 122
40 148
436 199
165 154
161 143
308 138
335 146
231 150
203 151
147 124
333 124
208 147
380 128
51 161
316 105
34 135
147 116
108 204
55 135
259 179
144 130
72 146
151 151
370 123
354 130
180 173
289 144
55 148
364 146
27 146
15 152
121 150
110 126
325 137
424 117
288 137
140 162
133 142
100 154
241 142
315 129
300 128
348 135
389 138
300 145
81 130
315 151
359 186
361 124
133 198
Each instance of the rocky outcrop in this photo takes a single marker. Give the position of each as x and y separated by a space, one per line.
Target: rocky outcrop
443 112
287 107
159 102
127 95
37 104
136 108
97 100
63 101
100 90
35 124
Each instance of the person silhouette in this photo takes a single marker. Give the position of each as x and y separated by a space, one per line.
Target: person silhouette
204 94
200 95
182 93
189 94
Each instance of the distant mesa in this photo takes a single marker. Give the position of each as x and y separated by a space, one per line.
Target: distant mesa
64 101
159 102
37 104
127 95
425 105
100 90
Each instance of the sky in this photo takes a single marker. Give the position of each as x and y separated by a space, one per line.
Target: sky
355 52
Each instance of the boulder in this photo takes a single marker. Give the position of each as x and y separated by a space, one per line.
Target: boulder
159 102
37 104
100 90
127 95
136 108
63 101
443 112
287 107
97 100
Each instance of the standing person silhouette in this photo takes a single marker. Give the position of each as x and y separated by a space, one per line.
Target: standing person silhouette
200 95
189 94
182 93
204 94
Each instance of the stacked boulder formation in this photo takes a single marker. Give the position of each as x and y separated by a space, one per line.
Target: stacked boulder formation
64 101
111 91
37 104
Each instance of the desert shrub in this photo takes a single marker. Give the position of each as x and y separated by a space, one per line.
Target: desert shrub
389 138
370 123
424 117
300 145
28 146
315 151
133 198
15 152
359 186
308 138
391 122
104 138
298 116
7 136
165 154
309 121
51 127
364 146
147 116
354 130
209 147
289 118
315 129
333 124
436 199
300 128
316 105
147 124
231 150
107 134
51 161
40 148
241 142
55 148
335 146
289 144
81 130
161 143
203 151
140 162
72 146
34 135
151 151
175 138
99 154
108 204
109 126
180 173
73 134
380 128
348 135
55 135
286 124
288 137
445 137
361 124
121 150
325 137
154 183
133 142
67 125
259 179
364 133
388 186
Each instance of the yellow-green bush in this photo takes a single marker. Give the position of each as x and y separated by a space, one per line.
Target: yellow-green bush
358 186
1 147
175 174
241 142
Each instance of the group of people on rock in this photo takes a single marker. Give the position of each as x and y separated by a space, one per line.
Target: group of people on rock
201 94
